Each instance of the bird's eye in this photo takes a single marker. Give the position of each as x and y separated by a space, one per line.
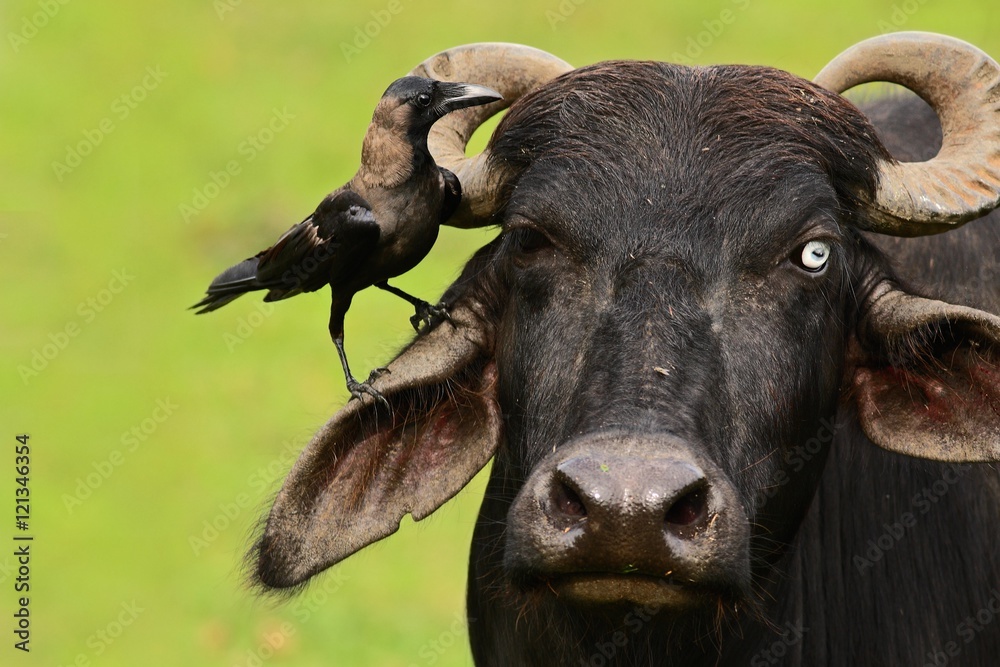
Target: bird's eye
423 100
813 256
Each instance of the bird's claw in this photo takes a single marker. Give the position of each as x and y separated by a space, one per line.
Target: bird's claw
359 389
429 315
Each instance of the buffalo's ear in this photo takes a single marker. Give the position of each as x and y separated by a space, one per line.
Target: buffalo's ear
369 466
930 383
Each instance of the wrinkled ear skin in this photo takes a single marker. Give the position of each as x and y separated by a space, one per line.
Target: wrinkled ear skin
929 385
369 466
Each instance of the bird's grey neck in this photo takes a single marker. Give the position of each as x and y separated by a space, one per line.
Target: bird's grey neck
390 157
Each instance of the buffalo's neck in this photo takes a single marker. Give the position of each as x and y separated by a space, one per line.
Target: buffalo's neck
877 526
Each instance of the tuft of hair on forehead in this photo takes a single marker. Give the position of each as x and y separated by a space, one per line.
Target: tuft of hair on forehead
716 122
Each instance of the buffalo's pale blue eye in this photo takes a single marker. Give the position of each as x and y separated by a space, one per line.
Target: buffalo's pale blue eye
815 255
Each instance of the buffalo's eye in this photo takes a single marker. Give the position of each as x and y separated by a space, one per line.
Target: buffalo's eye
813 256
530 241
423 100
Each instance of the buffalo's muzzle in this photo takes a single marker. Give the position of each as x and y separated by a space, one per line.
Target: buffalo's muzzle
625 518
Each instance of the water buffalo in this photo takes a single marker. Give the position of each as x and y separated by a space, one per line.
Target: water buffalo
741 397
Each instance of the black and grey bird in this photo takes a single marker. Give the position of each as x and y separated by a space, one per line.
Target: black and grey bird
379 225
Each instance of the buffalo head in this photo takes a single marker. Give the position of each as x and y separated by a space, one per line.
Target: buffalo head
683 292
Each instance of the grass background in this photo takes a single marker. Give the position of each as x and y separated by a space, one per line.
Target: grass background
244 404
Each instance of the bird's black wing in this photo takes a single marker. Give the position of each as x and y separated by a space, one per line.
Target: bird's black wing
291 266
452 194
341 229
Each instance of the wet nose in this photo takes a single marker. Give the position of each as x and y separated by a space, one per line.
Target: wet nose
606 507
642 501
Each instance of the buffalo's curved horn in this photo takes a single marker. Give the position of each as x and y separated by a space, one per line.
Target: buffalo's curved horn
962 84
510 69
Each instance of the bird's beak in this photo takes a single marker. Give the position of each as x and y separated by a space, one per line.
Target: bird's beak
461 95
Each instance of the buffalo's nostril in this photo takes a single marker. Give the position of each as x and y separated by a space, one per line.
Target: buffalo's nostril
567 503
688 513
630 519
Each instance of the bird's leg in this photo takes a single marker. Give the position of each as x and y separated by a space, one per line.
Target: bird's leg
424 312
356 388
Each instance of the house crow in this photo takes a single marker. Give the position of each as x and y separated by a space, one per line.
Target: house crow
379 225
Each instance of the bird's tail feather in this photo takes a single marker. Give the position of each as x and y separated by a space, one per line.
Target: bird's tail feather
231 283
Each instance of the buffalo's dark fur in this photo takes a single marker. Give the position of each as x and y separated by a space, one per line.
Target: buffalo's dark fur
648 281
721 124
663 202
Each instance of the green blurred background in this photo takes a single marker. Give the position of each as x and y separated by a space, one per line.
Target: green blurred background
158 437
